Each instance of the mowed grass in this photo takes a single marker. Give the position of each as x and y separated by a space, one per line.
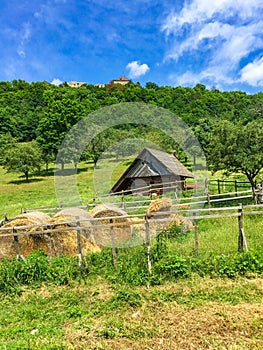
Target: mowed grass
197 313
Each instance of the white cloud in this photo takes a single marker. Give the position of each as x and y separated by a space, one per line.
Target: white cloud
252 73
199 11
214 37
136 69
56 81
24 36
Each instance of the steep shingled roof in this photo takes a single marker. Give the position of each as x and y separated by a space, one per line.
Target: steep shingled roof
152 163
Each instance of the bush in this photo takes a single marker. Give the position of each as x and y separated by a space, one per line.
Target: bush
172 267
36 270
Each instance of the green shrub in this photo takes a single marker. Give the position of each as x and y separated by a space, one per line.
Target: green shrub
36 270
173 266
129 297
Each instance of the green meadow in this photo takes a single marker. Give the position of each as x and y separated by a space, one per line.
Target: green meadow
209 300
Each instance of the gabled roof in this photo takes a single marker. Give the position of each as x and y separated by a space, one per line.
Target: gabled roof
152 163
171 163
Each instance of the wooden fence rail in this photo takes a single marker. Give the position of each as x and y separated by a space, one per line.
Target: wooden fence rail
135 204
194 214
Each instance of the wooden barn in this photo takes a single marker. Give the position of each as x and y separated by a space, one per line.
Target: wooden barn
154 169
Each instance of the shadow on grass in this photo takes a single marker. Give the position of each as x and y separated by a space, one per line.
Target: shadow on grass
69 172
23 181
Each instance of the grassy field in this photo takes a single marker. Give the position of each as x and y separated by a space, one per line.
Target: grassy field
100 313
197 313
40 191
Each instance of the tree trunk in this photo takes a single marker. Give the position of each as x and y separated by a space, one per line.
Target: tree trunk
95 160
26 175
252 181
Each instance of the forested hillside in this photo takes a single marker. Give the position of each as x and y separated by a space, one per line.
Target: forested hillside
45 113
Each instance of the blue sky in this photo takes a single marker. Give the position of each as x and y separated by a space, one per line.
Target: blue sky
218 43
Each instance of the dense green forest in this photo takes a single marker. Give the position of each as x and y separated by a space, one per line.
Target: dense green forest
35 117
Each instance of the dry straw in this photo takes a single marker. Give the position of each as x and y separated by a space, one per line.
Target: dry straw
65 242
27 243
111 216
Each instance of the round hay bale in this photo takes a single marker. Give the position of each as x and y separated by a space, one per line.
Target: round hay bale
159 209
26 242
158 206
121 225
138 227
64 242
181 221
72 214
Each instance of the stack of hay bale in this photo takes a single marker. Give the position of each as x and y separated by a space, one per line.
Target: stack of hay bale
120 223
65 242
27 242
62 242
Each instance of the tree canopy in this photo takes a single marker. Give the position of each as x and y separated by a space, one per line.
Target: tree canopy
23 158
45 113
237 147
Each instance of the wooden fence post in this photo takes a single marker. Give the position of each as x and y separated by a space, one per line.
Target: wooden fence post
196 234
242 242
49 249
16 242
218 186
79 241
208 200
113 247
148 243
150 191
206 185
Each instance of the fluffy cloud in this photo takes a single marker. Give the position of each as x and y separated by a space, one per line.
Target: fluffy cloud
252 73
215 36
56 81
136 69
199 11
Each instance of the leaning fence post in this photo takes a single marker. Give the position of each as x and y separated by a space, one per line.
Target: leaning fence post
148 243
242 242
79 241
240 228
113 247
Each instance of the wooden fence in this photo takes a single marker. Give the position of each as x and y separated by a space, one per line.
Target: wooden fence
195 214
221 185
142 204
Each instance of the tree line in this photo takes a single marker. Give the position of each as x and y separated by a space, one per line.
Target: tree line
35 118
